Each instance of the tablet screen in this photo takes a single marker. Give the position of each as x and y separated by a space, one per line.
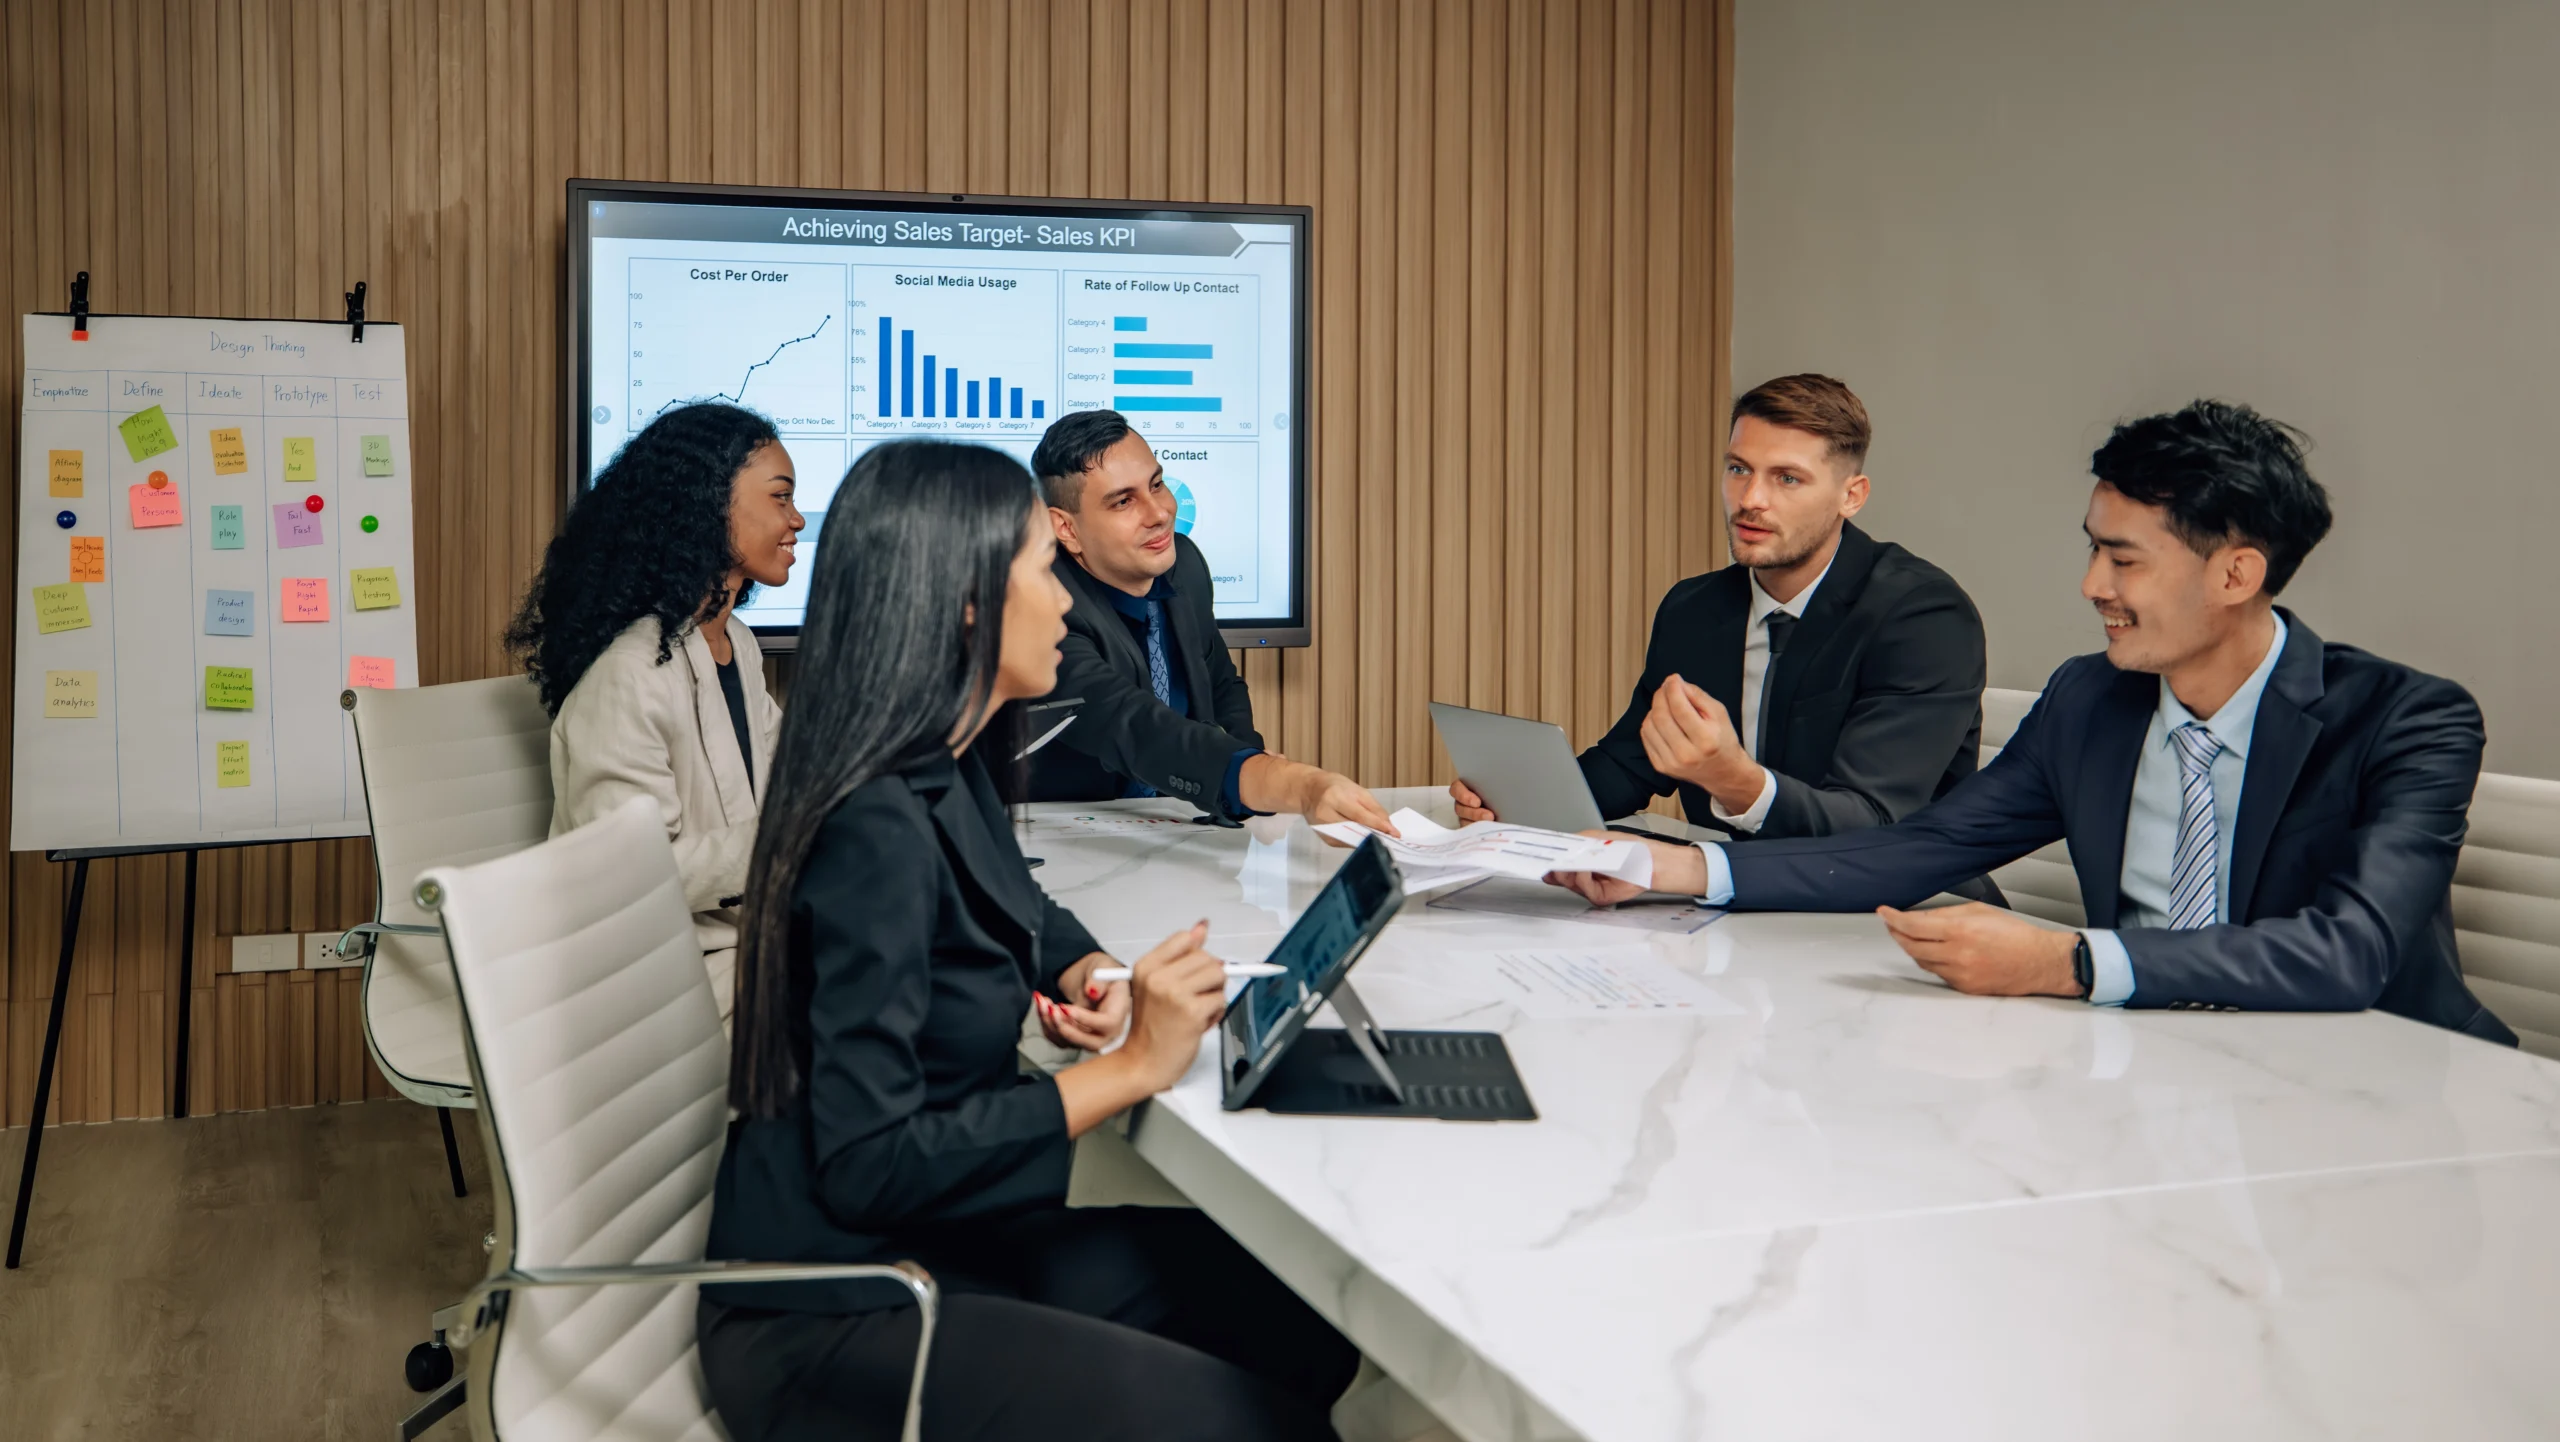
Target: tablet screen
1325 936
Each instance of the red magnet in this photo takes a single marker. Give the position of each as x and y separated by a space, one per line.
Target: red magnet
159 480
312 504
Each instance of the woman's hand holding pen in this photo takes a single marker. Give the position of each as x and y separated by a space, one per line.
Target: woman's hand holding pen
1176 994
1095 1022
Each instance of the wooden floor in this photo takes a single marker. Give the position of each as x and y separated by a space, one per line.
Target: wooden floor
257 1274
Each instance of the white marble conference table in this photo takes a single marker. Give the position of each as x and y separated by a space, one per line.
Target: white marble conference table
1858 1204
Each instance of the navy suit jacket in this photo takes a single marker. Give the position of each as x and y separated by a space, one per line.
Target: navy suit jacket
2352 814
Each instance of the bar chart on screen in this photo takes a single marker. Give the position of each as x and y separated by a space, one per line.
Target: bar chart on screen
960 349
770 336
1177 354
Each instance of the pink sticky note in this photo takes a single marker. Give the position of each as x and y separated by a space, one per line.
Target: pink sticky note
374 671
305 598
294 527
159 507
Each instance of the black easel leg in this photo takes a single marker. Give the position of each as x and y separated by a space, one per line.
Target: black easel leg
186 981
452 1155
44 1069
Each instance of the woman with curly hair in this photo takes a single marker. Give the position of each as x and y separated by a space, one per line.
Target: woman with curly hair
655 687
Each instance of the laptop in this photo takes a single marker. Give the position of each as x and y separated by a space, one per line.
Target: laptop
1269 1057
1523 769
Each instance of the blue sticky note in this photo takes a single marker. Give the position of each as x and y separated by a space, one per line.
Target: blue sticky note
230 613
230 528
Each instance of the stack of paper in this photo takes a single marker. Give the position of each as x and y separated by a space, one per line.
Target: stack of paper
1431 855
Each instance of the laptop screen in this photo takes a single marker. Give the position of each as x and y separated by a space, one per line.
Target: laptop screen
1316 948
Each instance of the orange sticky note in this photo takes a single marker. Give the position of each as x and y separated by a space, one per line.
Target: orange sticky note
63 473
155 506
88 558
230 453
306 598
374 671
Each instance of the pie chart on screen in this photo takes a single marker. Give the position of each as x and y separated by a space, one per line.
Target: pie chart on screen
1184 512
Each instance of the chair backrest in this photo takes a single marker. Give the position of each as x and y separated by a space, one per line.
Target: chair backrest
2506 905
2042 883
452 775
603 1078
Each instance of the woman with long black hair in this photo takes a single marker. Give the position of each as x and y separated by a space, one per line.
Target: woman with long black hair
655 687
895 937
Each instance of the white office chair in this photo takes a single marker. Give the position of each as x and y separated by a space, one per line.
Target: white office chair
2041 883
2506 905
602 1076
452 775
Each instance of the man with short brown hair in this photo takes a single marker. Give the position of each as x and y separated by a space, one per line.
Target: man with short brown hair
1826 683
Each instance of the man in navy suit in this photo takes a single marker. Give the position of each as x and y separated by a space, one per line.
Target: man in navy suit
2259 819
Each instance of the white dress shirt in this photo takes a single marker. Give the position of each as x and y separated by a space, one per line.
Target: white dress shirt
1755 670
2150 826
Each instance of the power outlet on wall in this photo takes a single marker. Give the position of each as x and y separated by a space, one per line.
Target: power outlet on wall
266 953
320 952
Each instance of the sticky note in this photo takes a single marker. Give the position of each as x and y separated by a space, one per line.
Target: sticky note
230 453
230 529
301 459
230 763
63 471
89 558
231 613
377 455
374 588
61 608
306 598
296 527
147 434
374 671
229 688
71 695
160 507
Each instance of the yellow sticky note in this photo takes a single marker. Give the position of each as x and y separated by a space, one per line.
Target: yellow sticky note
230 453
229 688
375 588
71 695
89 558
146 433
61 608
230 763
63 472
301 459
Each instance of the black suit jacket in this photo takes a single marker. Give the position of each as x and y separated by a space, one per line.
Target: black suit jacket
1876 707
1121 731
2351 816
926 934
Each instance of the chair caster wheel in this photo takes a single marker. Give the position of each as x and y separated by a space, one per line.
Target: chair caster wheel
430 1366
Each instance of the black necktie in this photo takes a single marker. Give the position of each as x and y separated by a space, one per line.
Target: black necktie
1780 624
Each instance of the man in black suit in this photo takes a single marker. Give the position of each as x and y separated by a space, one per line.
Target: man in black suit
2259 819
1825 683
1159 709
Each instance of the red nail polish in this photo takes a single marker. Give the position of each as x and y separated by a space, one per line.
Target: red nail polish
1092 992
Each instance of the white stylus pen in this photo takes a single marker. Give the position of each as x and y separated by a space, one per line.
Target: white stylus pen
1104 975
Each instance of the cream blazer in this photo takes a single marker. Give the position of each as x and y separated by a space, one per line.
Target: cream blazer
632 727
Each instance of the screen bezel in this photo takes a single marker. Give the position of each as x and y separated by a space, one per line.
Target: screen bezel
1236 1091
1253 633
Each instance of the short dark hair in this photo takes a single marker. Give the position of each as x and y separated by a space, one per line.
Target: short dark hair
1814 404
1073 446
2225 474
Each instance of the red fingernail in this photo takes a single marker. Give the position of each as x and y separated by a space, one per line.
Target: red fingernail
1092 992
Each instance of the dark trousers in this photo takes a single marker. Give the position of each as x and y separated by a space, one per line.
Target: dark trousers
1134 1323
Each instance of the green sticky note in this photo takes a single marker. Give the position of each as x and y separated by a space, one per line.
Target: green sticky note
230 528
377 455
301 459
61 608
231 763
147 433
375 588
229 688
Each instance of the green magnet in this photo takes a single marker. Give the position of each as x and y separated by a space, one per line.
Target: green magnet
370 525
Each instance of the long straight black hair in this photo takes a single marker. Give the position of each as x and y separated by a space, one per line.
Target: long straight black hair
891 664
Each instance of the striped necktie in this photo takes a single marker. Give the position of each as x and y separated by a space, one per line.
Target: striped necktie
2191 882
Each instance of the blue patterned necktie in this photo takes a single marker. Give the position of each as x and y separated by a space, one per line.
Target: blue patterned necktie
2191 882
1159 679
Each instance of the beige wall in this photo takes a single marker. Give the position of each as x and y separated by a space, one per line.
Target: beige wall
2009 223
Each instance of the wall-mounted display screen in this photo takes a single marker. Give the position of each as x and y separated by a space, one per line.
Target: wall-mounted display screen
852 318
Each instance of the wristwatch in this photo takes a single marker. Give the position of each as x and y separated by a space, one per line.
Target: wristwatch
2084 970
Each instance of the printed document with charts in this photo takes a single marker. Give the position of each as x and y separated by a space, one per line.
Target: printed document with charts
1431 855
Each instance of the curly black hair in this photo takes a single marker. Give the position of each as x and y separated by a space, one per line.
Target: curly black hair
651 538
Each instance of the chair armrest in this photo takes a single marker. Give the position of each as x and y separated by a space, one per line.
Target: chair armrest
484 1303
371 929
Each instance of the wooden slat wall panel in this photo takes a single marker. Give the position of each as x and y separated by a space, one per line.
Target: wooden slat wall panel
1519 320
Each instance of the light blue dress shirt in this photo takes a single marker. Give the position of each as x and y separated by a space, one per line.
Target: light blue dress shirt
2150 827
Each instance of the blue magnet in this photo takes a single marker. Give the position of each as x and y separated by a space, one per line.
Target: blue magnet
65 519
